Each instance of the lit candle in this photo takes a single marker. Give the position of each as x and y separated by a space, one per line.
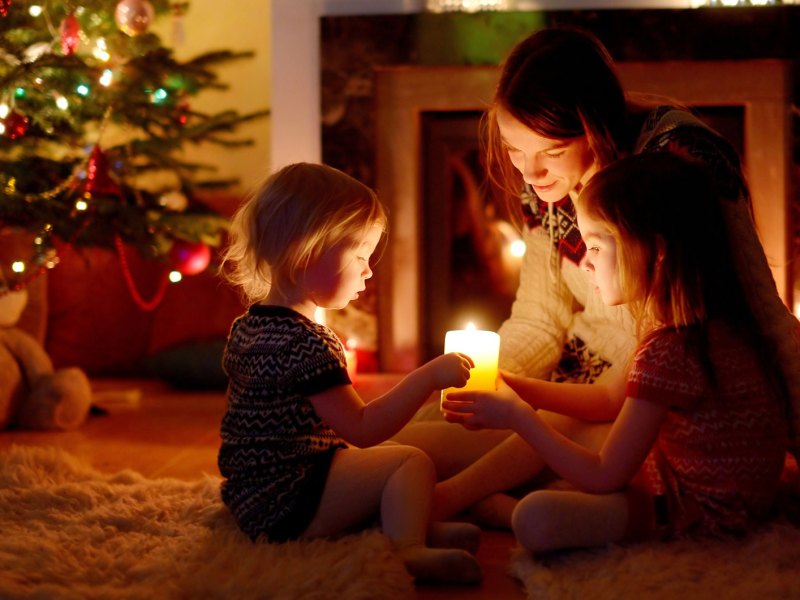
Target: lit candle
483 347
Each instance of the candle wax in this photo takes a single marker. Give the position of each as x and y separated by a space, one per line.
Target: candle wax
483 347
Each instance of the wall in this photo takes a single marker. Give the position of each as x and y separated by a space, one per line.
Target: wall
210 25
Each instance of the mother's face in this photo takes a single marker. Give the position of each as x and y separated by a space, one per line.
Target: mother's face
553 167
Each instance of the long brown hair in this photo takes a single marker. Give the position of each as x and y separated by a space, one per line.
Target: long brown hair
561 83
674 256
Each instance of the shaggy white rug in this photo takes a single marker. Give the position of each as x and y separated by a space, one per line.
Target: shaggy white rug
69 532
764 566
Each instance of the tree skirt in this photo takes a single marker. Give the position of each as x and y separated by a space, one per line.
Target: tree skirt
764 566
68 531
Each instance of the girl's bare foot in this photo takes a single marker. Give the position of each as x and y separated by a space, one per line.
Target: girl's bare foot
464 536
435 565
494 511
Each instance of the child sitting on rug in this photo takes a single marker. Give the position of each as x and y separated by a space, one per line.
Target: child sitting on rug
291 472
700 432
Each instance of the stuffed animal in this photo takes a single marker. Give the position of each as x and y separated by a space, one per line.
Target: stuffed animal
33 395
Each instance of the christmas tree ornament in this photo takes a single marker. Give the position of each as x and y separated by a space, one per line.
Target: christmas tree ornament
178 10
16 125
70 31
98 178
4 4
190 258
133 17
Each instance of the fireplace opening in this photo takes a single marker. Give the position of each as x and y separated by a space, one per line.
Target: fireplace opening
471 254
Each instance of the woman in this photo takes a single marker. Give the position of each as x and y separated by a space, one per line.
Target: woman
559 114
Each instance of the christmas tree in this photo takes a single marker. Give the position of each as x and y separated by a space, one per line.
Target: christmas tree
94 112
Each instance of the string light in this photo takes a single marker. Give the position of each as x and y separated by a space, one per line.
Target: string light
517 248
175 276
4 110
62 102
107 77
159 96
83 90
35 10
100 51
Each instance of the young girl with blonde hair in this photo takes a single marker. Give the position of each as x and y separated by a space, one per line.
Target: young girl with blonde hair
699 430
299 449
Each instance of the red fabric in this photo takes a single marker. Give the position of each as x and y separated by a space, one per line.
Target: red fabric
93 322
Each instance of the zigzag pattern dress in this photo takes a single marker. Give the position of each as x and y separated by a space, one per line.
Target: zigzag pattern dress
276 452
716 464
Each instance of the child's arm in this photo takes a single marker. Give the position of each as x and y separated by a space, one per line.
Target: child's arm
588 402
366 424
632 436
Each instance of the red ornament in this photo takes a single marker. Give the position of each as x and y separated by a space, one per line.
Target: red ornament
4 4
98 179
70 34
16 125
190 258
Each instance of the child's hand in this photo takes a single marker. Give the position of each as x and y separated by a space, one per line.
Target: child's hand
449 370
484 409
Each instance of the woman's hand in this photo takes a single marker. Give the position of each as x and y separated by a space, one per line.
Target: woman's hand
485 410
449 370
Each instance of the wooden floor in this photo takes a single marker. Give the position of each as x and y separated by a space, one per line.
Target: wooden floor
161 432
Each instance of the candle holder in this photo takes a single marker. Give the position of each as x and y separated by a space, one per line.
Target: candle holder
483 347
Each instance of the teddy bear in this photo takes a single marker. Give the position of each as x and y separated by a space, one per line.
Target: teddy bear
34 395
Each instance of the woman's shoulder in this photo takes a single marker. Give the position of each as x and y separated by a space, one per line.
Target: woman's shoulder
678 130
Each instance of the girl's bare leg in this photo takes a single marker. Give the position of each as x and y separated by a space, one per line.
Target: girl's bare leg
396 481
505 467
551 520
450 446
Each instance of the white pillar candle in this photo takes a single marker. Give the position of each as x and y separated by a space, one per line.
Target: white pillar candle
483 347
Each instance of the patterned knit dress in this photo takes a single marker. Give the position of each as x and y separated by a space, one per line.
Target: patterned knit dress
276 452
716 464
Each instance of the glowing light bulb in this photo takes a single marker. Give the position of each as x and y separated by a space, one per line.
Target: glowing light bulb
81 205
18 266
35 10
83 90
4 110
100 50
517 248
106 78
175 276
159 95
62 102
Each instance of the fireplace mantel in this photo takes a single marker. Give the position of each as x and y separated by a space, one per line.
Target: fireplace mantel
760 87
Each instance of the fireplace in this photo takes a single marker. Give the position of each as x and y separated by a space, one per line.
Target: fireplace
420 108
